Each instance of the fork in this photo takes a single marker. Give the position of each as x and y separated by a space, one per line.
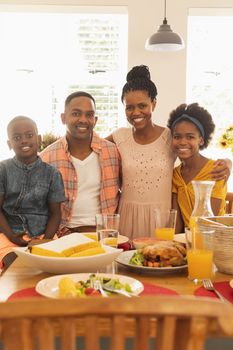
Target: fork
207 283
119 291
97 285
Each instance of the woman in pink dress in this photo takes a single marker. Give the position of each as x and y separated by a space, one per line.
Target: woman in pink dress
147 157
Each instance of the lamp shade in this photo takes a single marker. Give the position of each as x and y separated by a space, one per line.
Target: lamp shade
164 40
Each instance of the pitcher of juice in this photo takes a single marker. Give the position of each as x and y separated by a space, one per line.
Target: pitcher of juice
202 207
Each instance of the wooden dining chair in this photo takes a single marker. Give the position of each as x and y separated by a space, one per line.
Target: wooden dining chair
229 203
177 323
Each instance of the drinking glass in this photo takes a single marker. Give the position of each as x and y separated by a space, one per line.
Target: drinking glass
107 227
165 223
200 257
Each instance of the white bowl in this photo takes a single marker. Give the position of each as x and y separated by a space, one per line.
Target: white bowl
68 265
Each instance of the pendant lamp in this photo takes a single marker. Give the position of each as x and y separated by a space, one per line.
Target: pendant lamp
165 39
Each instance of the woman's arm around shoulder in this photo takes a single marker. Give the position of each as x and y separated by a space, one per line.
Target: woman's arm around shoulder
222 169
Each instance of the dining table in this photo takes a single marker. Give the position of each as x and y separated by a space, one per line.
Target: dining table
21 277
19 280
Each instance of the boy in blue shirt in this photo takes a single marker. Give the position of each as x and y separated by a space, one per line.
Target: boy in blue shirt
31 191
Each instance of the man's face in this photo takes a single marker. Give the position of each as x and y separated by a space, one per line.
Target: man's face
79 118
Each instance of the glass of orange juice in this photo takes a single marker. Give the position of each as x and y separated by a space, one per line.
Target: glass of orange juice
165 223
196 234
200 258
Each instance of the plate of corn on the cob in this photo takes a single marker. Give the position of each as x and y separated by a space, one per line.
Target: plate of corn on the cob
68 254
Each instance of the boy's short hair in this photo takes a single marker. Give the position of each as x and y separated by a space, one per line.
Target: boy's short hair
19 118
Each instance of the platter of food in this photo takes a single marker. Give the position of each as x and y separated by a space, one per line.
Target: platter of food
141 242
81 285
161 257
68 254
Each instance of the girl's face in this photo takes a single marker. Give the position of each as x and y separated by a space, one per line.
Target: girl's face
186 139
139 108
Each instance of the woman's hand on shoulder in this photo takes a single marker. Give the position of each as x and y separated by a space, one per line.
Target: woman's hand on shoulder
222 169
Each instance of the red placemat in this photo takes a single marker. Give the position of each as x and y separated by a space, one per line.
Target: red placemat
223 287
149 289
24 294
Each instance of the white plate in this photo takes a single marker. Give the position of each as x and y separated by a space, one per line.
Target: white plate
48 287
180 237
122 239
231 283
125 257
68 265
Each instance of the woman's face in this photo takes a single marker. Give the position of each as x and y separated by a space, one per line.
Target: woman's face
138 108
186 139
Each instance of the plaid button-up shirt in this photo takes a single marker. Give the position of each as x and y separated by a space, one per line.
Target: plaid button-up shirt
58 155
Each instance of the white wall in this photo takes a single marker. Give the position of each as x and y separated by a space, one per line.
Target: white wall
168 69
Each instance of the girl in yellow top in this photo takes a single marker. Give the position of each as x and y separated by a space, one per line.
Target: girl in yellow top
192 128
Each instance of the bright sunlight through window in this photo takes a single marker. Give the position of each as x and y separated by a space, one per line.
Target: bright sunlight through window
50 52
210 71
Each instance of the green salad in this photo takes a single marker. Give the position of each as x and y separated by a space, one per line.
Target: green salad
137 259
69 288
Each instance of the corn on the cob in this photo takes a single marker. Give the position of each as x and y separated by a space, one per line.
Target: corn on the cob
67 287
79 248
45 252
88 252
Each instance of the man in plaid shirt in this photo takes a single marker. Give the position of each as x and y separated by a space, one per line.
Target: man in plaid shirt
89 166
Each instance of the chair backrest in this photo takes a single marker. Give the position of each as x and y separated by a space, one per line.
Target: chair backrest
178 323
229 203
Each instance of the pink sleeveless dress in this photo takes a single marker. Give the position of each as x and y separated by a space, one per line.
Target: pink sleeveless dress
147 180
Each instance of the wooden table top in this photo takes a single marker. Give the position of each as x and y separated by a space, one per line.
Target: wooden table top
19 276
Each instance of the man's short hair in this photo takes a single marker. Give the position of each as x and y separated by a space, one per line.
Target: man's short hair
78 94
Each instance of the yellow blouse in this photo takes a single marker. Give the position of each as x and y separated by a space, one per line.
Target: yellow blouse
185 192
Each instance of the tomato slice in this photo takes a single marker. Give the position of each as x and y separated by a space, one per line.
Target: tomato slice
91 291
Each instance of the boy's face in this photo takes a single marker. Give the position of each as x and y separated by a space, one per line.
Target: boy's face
24 140
186 139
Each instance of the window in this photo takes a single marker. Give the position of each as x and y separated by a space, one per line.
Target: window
52 51
210 70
